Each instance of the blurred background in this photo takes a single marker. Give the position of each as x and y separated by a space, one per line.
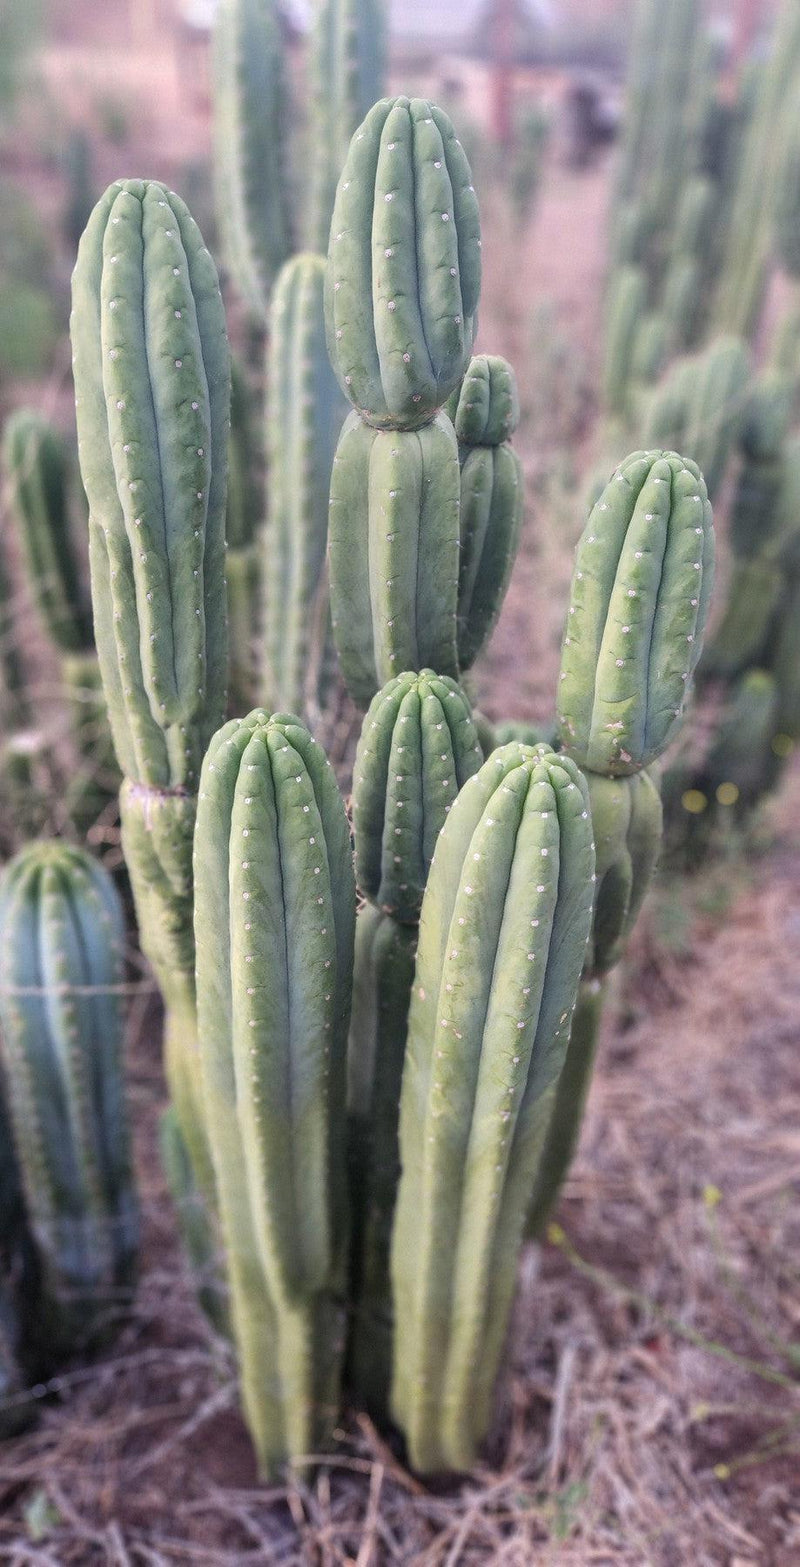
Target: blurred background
638 170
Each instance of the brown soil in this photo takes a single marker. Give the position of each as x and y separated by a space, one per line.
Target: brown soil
651 1413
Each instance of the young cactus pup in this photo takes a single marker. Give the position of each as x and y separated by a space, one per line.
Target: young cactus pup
274 919
61 974
503 932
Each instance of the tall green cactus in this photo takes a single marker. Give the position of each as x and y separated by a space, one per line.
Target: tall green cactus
346 71
274 918
305 412
492 495
152 386
61 973
640 593
627 305
251 105
504 927
242 522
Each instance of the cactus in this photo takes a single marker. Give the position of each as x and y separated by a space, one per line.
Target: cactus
626 308
716 409
347 66
524 733
197 1233
152 395
649 348
634 631
740 639
305 411
787 198
61 972
251 104
37 470
418 747
242 521
681 302
627 823
402 286
274 917
383 972
394 552
742 764
509 901
485 417
664 419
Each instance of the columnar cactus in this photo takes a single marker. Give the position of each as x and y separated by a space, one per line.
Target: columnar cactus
716 408
152 386
394 552
242 522
61 973
251 104
305 411
417 749
640 593
404 273
274 918
485 417
347 66
626 307
505 921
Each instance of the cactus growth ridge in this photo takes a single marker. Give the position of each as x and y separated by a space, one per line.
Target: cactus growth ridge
485 416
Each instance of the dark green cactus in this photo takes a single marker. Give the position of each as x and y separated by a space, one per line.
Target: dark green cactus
418 747
743 764
305 412
739 641
681 303
243 514
251 105
504 927
649 348
274 917
638 606
485 417
61 974
394 552
37 469
347 68
664 419
401 292
383 972
716 408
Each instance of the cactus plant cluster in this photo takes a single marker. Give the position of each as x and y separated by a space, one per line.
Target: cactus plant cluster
68 1219
367 1113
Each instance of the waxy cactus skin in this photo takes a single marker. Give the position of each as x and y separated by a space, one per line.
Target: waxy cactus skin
37 468
417 749
638 606
403 280
274 974
394 552
61 973
346 71
502 937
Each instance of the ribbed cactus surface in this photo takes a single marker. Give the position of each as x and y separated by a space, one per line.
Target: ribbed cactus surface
274 919
37 468
251 108
504 926
417 749
626 821
485 417
61 974
404 272
152 396
346 70
394 552
305 413
638 606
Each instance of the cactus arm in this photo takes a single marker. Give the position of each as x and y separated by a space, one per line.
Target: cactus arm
491 523
480 1056
569 1102
640 593
347 66
37 468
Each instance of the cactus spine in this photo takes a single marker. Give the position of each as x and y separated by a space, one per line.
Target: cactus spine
274 969
504 927
486 416
152 387
251 103
61 971
305 411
